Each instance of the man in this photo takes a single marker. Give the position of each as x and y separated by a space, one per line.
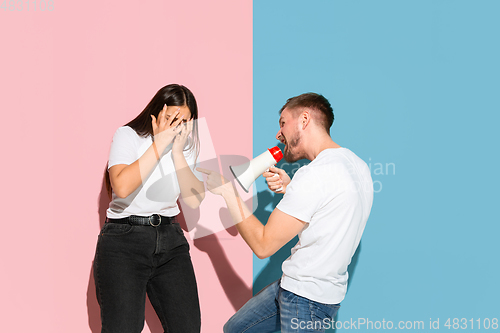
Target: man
327 204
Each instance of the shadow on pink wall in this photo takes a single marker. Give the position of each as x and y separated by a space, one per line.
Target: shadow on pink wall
235 289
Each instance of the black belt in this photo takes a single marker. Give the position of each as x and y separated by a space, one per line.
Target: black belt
153 220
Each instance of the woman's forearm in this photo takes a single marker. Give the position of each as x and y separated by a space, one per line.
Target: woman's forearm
192 189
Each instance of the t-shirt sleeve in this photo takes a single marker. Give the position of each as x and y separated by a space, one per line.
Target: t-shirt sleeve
123 147
302 198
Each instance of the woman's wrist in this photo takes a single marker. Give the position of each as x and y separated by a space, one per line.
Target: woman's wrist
178 155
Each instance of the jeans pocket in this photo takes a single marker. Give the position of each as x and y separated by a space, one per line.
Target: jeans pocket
323 313
178 228
116 229
178 236
287 296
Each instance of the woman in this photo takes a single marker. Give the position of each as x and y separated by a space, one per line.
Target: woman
141 249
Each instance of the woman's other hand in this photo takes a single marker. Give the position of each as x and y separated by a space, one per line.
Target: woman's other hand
165 129
181 138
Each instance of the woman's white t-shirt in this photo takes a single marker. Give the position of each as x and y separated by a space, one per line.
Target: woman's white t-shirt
158 193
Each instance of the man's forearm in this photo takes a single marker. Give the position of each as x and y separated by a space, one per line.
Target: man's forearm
249 227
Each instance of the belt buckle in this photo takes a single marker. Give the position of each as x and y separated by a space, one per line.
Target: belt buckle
150 218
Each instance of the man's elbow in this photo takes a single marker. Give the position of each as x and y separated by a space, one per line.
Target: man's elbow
263 252
261 255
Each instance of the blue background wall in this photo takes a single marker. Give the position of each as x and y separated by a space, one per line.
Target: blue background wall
415 89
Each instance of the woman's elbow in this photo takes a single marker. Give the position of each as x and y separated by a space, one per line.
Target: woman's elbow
193 202
191 205
121 192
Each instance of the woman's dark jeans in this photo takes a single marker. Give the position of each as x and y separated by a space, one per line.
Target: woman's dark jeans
133 260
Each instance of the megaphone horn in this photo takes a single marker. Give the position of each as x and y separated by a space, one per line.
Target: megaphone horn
248 172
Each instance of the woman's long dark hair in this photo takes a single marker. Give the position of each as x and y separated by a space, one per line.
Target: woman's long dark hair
171 95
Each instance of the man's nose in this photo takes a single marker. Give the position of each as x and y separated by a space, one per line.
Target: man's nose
278 135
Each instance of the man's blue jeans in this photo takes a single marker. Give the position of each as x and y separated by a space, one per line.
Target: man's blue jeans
275 308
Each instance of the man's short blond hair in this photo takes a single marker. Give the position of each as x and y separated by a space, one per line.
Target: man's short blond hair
323 110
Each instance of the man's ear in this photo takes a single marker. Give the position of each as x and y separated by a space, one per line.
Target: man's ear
305 118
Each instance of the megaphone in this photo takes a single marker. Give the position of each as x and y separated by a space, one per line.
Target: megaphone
248 172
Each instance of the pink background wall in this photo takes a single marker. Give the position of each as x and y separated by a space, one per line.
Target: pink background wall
69 78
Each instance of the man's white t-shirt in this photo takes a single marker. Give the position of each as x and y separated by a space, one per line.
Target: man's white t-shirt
158 193
334 195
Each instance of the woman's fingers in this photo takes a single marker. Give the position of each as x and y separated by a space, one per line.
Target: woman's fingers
180 132
162 117
177 126
187 128
173 117
176 122
153 123
171 122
